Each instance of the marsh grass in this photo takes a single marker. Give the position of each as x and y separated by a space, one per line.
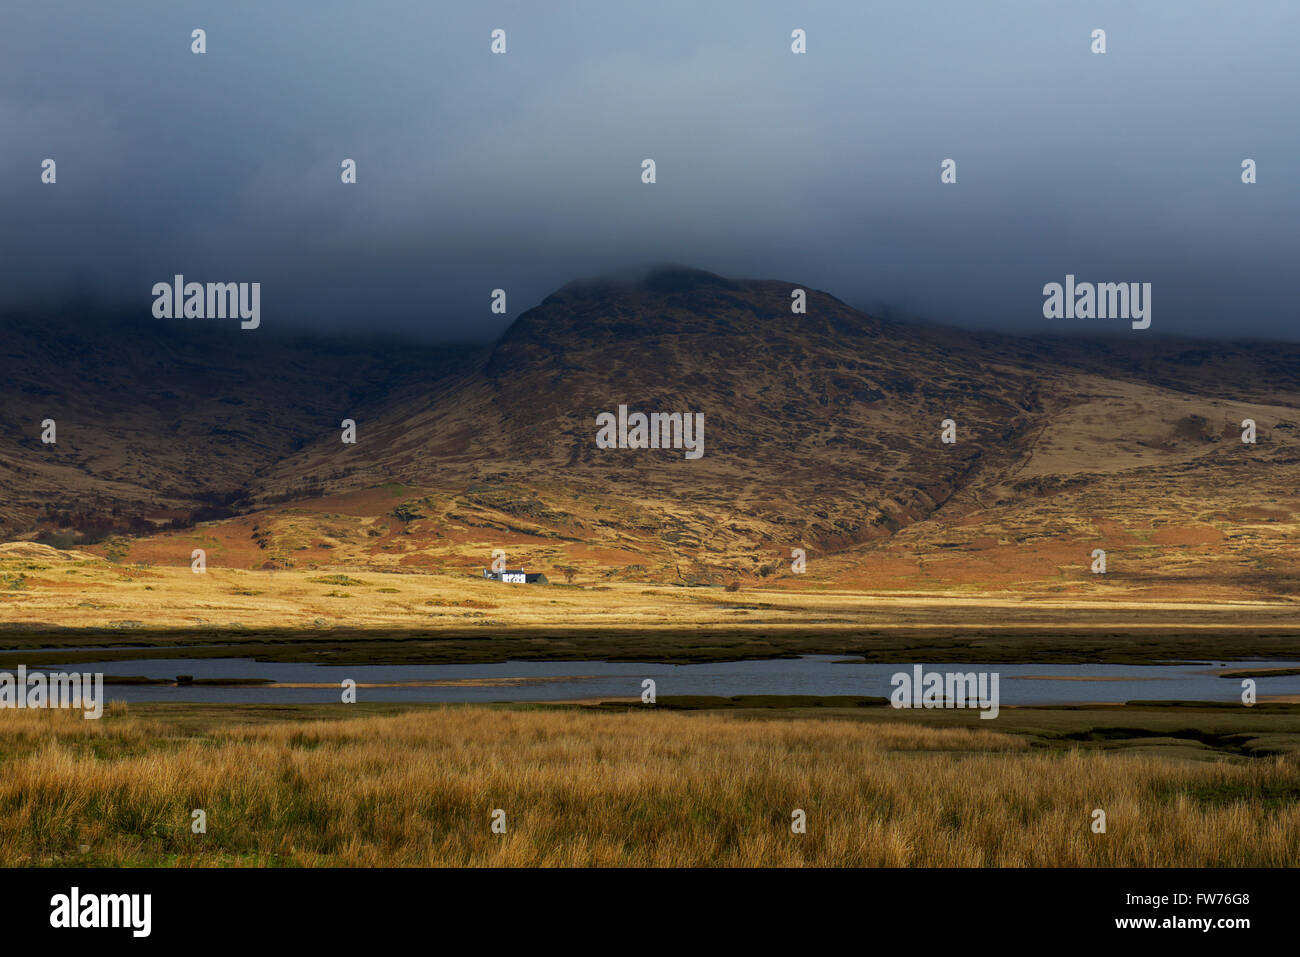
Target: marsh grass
584 787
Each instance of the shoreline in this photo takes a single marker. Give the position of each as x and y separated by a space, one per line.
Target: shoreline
992 643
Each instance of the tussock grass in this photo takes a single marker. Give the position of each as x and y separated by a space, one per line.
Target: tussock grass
582 787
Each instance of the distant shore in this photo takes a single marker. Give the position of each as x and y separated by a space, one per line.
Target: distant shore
993 642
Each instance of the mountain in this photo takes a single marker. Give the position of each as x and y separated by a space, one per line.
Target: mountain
158 421
822 432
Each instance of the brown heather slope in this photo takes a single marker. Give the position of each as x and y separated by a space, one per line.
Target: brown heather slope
157 420
822 432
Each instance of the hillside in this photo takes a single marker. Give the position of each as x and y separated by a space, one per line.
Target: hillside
822 432
161 422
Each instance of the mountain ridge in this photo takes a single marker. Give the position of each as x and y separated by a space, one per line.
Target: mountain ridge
822 433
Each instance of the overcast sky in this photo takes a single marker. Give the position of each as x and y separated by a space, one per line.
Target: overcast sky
523 171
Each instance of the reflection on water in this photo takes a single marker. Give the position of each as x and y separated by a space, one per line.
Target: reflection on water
563 680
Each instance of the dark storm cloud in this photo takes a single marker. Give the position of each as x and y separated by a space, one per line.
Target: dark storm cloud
522 171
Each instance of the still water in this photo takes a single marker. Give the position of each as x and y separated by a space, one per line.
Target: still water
566 680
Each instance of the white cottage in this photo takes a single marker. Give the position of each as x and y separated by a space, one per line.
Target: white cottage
516 576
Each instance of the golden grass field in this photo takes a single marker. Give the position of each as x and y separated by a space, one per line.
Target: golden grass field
43 586
80 603
613 788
